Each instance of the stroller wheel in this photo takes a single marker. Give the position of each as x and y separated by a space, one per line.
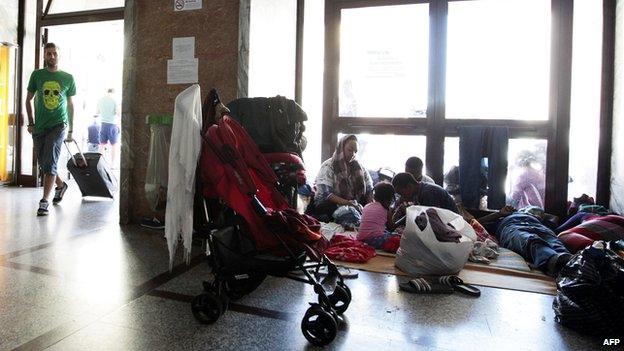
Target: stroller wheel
207 308
339 299
338 318
346 288
318 326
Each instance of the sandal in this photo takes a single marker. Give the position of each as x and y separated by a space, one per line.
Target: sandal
423 286
458 284
345 272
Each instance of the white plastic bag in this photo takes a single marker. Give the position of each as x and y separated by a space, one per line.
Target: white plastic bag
156 177
420 252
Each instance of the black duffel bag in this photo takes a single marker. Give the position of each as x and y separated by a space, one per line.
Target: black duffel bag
275 124
590 292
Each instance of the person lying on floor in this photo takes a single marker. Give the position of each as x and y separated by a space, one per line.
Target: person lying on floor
341 181
525 233
413 192
376 228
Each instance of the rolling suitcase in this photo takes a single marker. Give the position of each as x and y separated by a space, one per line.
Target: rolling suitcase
92 173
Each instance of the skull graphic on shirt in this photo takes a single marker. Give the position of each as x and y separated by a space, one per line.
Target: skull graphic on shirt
51 94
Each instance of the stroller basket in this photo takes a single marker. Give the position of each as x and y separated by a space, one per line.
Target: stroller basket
237 256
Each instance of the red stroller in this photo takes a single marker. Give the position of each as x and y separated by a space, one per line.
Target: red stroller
290 173
276 126
259 234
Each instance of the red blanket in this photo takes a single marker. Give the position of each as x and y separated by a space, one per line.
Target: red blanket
344 248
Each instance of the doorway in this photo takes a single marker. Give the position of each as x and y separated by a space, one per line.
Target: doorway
93 54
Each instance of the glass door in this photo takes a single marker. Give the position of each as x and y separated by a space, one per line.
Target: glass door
377 76
7 113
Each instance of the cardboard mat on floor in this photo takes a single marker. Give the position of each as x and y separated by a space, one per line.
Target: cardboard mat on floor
473 273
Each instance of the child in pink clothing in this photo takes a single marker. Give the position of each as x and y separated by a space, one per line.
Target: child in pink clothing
376 225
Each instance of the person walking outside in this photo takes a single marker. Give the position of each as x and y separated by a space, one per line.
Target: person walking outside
54 114
109 130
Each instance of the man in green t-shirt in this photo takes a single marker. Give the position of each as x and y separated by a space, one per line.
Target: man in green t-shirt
54 112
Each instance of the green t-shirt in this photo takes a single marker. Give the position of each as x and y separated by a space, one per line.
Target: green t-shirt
52 90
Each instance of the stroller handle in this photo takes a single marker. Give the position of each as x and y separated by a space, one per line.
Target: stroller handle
258 206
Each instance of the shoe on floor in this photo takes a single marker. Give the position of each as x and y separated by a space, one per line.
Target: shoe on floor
458 285
43 208
424 286
59 192
556 263
152 223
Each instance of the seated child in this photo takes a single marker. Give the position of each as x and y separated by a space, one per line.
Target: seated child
376 225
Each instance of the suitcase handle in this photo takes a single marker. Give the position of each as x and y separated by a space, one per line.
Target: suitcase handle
72 155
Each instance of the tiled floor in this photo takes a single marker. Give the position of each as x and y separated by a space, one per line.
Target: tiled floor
76 280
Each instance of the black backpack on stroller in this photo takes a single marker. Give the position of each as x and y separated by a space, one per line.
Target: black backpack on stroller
275 124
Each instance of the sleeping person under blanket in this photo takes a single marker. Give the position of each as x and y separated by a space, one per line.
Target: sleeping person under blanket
376 228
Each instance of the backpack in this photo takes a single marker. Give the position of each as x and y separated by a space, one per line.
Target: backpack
275 124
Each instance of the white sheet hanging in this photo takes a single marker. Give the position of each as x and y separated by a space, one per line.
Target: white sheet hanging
183 156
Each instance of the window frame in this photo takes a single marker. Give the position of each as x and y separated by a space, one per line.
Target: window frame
436 127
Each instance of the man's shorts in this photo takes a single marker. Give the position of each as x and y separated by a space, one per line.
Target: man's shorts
48 146
109 132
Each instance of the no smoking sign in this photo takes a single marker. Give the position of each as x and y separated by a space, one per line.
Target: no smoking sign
185 5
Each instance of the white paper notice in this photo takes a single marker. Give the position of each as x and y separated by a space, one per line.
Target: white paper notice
182 71
184 5
183 48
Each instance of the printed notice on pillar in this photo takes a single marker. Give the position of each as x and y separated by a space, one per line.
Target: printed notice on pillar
182 71
186 5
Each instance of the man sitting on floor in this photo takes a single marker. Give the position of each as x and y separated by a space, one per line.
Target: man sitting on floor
414 192
414 166
525 233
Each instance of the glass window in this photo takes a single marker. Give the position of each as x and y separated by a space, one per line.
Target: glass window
616 202
384 55
312 89
7 111
272 41
526 172
498 59
380 150
62 6
451 153
26 151
526 175
8 21
585 102
451 166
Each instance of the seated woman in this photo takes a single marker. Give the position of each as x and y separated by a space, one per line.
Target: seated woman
341 181
525 233
377 226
